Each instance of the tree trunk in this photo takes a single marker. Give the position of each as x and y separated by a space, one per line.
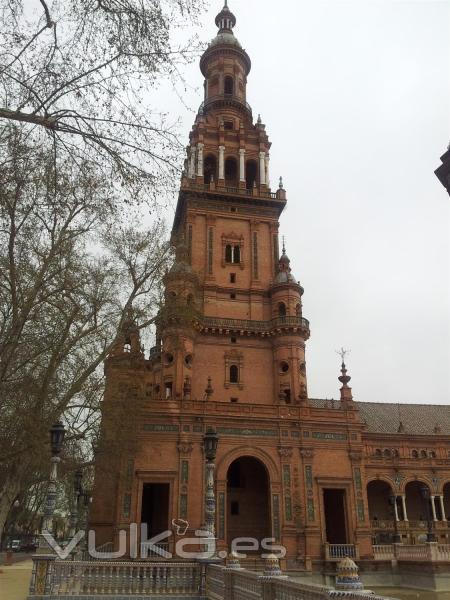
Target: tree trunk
8 494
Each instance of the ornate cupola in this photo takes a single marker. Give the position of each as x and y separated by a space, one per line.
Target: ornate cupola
225 65
225 20
286 292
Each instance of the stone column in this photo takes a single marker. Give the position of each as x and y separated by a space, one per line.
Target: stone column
268 170
433 508
200 160
242 164
192 163
444 516
221 163
404 508
396 510
262 168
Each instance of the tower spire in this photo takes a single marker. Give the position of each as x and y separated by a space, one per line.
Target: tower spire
225 20
346 391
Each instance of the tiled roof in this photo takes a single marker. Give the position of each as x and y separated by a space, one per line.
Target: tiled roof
417 419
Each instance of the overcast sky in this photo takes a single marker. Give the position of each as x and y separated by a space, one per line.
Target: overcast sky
356 99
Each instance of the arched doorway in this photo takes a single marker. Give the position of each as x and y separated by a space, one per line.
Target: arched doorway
416 506
248 500
251 173
447 501
231 172
378 496
382 511
210 169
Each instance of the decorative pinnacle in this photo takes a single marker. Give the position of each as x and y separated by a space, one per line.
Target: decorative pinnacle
284 244
259 120
344 378
281 183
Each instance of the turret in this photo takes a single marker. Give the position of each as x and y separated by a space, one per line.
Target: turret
176 326
291 333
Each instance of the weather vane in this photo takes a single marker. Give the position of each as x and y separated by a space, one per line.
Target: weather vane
343 353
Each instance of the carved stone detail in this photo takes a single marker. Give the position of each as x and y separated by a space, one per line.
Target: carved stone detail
185 448
285 452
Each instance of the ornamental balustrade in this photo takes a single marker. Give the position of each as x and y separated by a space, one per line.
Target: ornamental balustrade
232 584
222 189
335 552
65 578
125 580
259 326
429 552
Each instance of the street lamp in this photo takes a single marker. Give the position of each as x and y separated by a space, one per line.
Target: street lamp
57 433
210 443
425 493
393 503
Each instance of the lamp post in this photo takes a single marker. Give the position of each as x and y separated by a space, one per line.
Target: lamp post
57 433
393 503
210 443
425 493
80 505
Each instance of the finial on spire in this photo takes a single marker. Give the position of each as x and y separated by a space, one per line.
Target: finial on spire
284 244
259 120
225 20
346 391
281 183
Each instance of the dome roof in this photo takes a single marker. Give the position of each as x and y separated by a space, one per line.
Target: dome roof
227 38
285 277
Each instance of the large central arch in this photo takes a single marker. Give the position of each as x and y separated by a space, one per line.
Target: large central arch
248 500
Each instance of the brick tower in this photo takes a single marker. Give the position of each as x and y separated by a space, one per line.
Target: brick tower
317 476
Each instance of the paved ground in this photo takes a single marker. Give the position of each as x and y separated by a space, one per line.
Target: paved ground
14 581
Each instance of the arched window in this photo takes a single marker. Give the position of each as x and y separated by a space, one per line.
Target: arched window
231 172
387 453
287 396
234 374
415 454
251 173
232 254
282 309
127 347
378 452
229 85
210 169
423 454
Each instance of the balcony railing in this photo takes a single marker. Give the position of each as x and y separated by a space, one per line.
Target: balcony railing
339 551
260 326
224 189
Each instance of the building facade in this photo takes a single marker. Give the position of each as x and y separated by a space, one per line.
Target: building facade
324 478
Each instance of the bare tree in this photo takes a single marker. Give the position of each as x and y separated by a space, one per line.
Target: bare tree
81 149
68 275
83 72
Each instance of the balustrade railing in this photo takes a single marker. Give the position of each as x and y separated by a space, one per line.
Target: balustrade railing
420 552
244 585
114 578
246 325
340 551
383 552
